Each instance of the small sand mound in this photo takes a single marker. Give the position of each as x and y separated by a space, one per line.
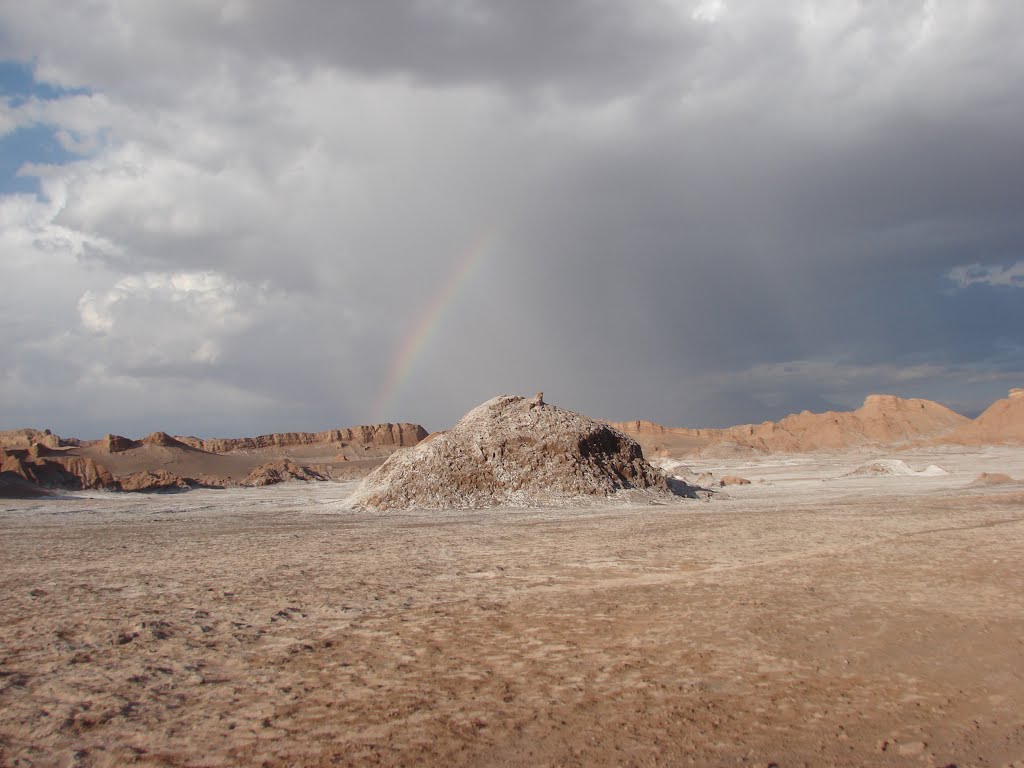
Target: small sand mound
895 467
511 451
733 480
991 478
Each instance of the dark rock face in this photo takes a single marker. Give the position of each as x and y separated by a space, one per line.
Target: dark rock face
51 470
511 451
15 486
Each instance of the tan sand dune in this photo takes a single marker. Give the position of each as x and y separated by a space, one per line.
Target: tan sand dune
1001 422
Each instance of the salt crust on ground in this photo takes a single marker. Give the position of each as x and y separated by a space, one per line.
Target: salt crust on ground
806 620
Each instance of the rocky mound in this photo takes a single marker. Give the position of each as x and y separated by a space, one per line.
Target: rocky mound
280 471
512 451
154 480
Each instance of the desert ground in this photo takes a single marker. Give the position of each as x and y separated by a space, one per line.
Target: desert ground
809 618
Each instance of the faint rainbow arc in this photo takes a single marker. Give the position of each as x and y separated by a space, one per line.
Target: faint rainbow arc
426 325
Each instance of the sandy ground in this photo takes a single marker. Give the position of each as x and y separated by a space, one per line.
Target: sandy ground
806 620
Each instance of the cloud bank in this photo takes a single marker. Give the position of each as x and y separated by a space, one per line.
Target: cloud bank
700 213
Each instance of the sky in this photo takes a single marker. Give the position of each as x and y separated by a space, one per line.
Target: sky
239 217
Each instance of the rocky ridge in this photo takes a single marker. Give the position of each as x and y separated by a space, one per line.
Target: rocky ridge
388 435
161 462
882 420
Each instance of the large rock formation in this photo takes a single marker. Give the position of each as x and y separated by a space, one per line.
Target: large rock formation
25 438
512 451
50 469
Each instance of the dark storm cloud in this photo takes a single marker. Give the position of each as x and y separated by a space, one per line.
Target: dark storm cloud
699 213
588 47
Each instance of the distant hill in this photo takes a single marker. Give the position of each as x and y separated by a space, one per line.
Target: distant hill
882 420
1001 422
160 462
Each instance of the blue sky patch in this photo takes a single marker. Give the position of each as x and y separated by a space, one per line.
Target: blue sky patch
33 143
18 83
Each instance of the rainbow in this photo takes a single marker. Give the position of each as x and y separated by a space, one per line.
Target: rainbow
426 326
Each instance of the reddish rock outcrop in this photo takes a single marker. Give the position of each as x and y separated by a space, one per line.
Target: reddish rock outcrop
11 463
155 480
57 471
118 444
24 438
280 471
163 440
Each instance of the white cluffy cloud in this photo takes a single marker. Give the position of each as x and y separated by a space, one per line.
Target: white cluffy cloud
1011 276
183 316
